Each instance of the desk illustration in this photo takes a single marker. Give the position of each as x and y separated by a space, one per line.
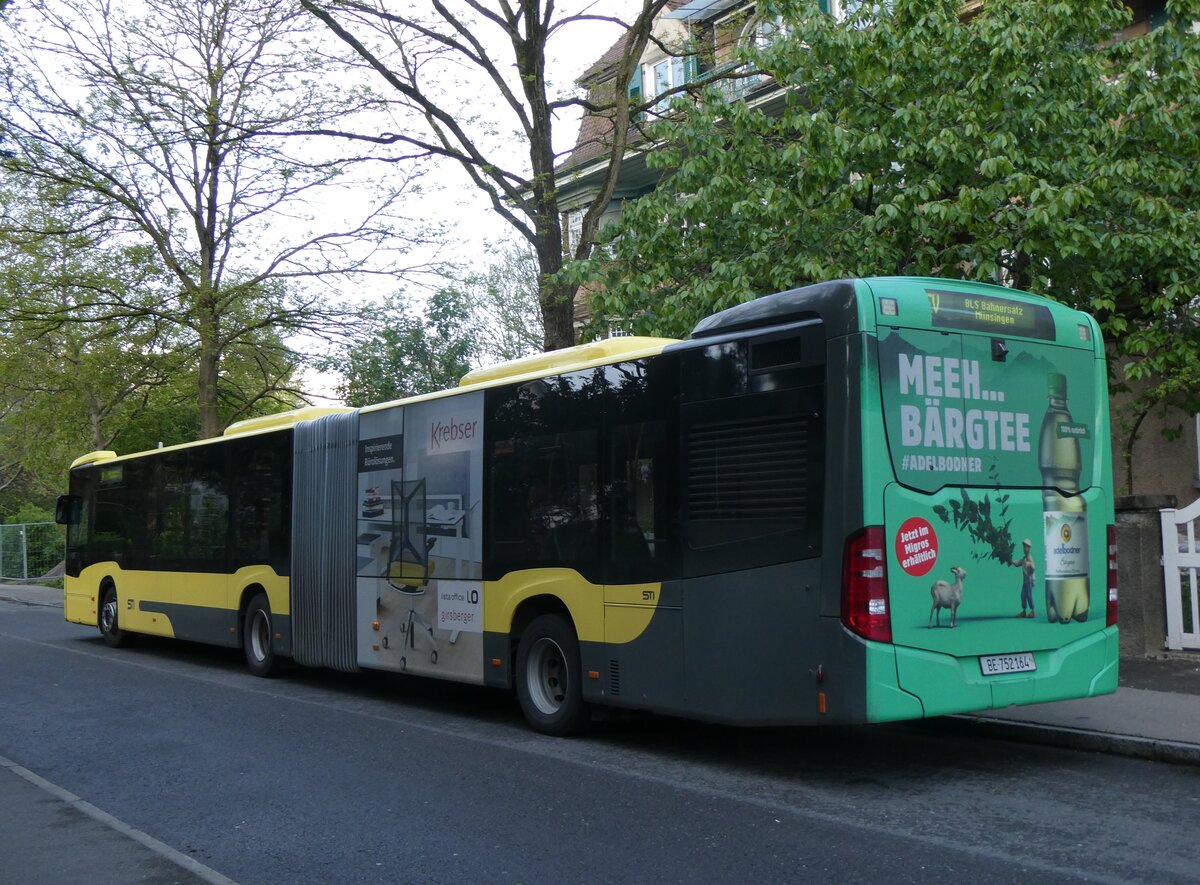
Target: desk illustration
444 522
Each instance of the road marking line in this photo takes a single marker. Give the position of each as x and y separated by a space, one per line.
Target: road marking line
160 848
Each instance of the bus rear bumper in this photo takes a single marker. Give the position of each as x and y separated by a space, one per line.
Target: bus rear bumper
944 684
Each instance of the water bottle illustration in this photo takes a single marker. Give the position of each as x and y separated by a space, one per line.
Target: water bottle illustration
1063 511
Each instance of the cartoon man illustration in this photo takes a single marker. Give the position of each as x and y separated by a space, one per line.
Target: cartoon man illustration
1028 575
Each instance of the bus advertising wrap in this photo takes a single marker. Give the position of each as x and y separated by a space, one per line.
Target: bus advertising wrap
992 443
420 591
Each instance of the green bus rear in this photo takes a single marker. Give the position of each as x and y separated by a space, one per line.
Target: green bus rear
969 478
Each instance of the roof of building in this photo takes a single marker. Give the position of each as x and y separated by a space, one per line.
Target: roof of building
605 64
595 130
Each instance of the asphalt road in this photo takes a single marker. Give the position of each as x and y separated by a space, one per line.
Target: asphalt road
322 777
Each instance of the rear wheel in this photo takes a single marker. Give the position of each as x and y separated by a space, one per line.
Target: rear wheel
549 687
107 620
258 638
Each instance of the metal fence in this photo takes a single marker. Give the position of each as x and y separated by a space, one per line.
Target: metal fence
32 550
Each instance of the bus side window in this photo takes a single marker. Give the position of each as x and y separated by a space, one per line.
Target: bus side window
167 543
544 502
208 509
641 534
642 501
543 462
258 506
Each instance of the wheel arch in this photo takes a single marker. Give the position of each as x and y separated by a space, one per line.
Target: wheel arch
532 608
249 592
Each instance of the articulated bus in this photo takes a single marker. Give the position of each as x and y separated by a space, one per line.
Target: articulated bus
859 501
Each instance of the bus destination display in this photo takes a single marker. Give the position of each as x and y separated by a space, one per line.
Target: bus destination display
982 313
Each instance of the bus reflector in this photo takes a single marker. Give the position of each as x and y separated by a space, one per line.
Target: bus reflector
1111 620
865 609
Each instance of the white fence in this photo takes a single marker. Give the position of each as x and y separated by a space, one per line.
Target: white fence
1181 565
31 550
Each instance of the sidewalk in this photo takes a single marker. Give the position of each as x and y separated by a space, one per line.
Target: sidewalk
1155 714
31 594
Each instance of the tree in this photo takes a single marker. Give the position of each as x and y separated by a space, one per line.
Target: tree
1022 146
173 124
95 381
502 300
62 384
406 353
441 62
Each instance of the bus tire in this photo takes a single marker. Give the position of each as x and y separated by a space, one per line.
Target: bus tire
108 621
549 687
257 637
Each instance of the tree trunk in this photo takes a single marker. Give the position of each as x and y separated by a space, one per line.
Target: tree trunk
557 299
94 416
1127 454
207 374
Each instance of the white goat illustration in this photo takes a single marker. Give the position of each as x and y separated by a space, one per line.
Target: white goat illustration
947 595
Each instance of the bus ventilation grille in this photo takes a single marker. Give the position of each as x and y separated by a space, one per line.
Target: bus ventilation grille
748 469
614 678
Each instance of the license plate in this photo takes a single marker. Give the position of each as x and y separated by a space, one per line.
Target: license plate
998 665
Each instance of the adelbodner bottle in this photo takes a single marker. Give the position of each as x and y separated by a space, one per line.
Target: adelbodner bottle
1064 518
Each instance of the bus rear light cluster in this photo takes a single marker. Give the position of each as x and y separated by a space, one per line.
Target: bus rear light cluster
865 608
1111 612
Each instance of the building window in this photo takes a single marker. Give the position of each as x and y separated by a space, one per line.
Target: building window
665 75
573 230
758 34
844 9
762 31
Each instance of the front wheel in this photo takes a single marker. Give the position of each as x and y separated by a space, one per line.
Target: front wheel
549 687
257 638
107 620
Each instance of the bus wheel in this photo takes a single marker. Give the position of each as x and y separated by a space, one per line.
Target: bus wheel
110 630
257 637
549 687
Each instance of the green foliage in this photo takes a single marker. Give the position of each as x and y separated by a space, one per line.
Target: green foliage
485 317
28 513
1023 145
989 531
406 353
87 361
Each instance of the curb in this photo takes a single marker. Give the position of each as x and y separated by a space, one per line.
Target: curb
18 601
1151 749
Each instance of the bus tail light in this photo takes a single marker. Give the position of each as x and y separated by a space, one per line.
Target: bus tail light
1112 577
865 608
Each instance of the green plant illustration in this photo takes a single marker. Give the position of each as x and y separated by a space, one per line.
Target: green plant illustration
986 522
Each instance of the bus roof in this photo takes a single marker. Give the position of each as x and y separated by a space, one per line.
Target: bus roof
568 359
844 307
280 420
262 424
